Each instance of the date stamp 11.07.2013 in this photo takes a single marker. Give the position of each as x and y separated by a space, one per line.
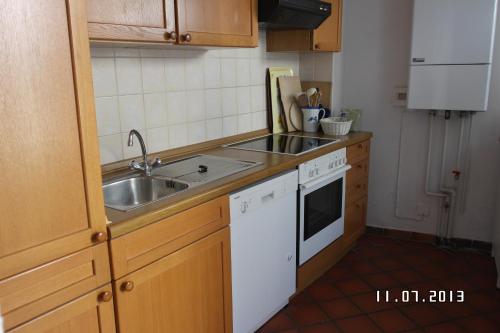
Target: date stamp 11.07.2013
415 296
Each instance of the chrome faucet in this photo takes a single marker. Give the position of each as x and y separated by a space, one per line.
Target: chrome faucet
146 165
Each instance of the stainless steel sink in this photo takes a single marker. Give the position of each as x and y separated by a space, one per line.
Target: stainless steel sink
130 193
135 190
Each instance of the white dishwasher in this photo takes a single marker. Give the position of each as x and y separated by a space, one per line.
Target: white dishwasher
263 250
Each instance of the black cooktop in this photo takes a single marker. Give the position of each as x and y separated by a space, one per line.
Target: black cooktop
283 144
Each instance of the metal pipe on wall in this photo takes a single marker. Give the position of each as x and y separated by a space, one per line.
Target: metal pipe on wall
448 191
432 116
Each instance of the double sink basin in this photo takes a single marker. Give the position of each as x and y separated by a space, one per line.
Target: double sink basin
136 190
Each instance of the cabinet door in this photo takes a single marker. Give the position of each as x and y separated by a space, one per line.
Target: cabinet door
328 36
355 221
187 291
91 313
132 20
218 22
51 200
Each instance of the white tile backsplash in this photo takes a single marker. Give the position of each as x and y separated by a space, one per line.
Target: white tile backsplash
108 117
230 126
175 76
153 75
195 105
176 107
178 135
176 97
228 72
155 108
229 101
111 148
158 139
128 76
214 128
104 76
243 99
131 112
196 132
213 103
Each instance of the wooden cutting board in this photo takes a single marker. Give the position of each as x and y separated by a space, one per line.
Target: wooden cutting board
326 90
289 87
278 119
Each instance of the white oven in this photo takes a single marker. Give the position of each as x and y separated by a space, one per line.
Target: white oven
321 202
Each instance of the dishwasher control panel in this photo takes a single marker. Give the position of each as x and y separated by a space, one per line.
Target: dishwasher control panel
270 190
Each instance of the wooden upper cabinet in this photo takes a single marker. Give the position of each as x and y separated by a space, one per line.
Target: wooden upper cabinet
186 291
91 313
132 20
218 22
199 22
51 201
327 37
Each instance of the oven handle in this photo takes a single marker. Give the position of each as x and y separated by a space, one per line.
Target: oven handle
325 177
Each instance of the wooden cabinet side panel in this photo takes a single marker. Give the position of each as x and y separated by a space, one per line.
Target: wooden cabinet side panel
83 315
51 200
328 36
288 40
187 291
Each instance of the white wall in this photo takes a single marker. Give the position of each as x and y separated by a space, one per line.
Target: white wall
375 59
176 97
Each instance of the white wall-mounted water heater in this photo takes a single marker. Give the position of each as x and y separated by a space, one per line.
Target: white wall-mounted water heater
451 55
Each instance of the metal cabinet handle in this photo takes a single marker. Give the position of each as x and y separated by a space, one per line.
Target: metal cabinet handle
105 296
186 37
99 237
127 286
171 35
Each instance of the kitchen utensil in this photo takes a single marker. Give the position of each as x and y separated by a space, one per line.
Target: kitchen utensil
311 118
325 90
279 125
289 86
309 93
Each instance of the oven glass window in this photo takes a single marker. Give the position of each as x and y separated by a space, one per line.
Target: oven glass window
322 207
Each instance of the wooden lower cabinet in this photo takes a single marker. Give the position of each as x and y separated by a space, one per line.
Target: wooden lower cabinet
355 221
186 291
91 313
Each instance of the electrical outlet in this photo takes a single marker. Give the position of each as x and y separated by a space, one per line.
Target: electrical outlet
400 96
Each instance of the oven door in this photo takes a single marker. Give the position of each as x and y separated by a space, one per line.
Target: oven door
322 204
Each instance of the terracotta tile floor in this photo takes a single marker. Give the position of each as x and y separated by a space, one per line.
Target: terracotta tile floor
344 299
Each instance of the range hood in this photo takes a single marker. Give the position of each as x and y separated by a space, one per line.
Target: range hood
293 14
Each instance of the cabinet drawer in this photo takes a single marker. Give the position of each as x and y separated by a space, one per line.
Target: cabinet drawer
355 220
90 313
356 188
358 152
359 170
139 248
34 292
